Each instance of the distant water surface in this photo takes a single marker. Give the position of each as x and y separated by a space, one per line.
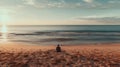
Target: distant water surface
64 34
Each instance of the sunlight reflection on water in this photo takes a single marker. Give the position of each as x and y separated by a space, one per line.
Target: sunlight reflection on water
4 33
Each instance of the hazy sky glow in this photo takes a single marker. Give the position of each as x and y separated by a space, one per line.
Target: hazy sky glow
59 12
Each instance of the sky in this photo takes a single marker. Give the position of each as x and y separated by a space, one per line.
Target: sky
60 12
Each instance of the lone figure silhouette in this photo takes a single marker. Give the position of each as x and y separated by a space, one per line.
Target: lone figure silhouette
58 48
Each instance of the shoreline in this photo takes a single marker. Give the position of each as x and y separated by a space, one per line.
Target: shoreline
25 46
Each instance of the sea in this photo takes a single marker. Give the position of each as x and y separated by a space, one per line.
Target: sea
62 34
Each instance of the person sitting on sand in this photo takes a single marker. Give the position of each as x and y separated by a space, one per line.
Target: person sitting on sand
58 48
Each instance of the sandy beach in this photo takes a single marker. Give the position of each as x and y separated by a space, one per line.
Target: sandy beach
25 55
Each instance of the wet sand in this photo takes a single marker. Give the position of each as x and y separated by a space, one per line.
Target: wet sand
94 55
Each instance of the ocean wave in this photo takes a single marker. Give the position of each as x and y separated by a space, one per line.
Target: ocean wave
70 33
58 39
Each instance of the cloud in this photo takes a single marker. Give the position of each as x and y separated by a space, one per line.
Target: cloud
101 19
88 1
113 1
60 3
52 3
29 2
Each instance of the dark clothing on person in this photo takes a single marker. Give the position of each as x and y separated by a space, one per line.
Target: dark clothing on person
58 48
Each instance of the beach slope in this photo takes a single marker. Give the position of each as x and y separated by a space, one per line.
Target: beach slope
24 55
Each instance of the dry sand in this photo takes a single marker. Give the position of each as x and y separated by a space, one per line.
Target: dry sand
25 55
